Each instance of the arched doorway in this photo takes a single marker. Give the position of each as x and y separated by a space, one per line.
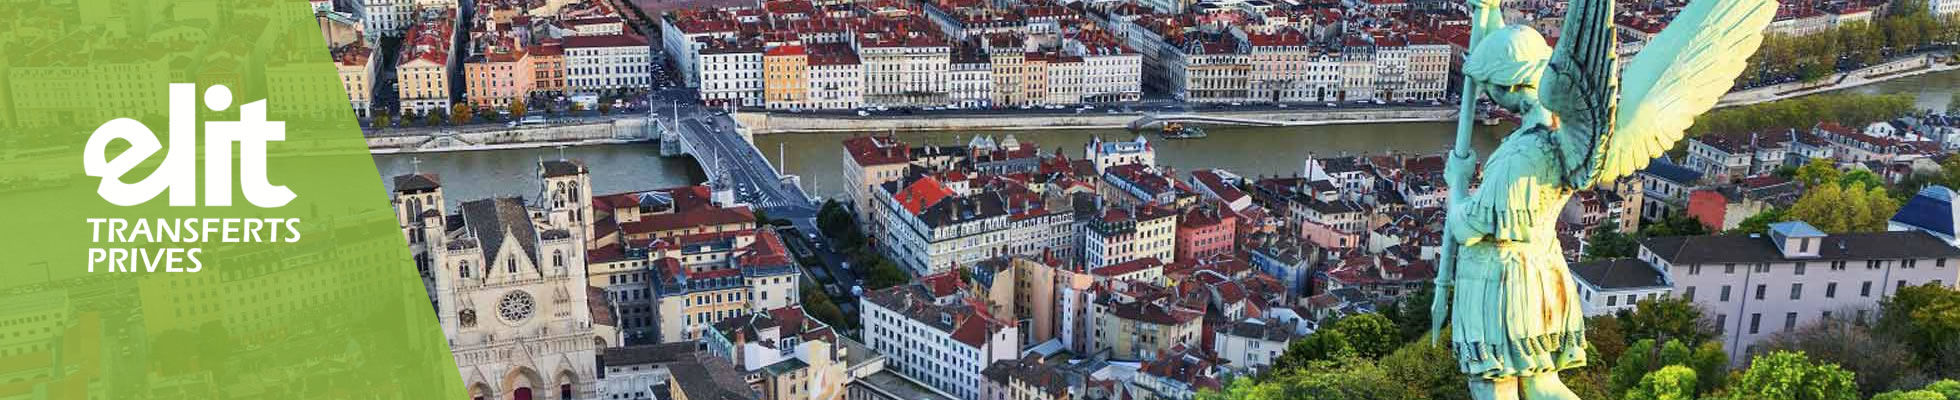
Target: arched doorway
522 383
522 393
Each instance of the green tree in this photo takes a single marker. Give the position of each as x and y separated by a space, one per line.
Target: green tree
381 119
1429 370
1878 362
1711 365
1912 395
1370 335
1350 378
433 118
1927 318
1946 387
1783 375
1674 225
1411 313
1759 223
1668 318
1607 242
1819 171
879 272
1605 335
1672 382
818 305
1823 207
1322 345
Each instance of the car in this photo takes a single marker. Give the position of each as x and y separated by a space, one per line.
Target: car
862 113
1380 102
1236 104
1332 105
1282 105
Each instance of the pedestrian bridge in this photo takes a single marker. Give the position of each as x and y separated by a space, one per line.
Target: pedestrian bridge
727 158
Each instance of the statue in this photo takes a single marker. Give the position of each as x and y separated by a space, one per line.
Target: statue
1517 320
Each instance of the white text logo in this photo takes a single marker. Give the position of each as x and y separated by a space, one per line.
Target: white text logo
177 173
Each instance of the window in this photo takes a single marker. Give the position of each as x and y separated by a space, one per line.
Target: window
1612 301
1755 323
1939 263
1800 266
1789 321
1761 290
464 268
1694 269
1689 294
1866 290
1728 268
1830 290
510 264
1725 293
1902 285
1796 291
1721 323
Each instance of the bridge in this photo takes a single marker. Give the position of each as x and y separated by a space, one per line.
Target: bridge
1154 119
727 158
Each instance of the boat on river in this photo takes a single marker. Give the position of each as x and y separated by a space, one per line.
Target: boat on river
1174 130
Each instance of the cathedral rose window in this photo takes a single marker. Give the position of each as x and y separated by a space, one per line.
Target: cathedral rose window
516 306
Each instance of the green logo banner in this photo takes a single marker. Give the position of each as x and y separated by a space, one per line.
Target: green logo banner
192 213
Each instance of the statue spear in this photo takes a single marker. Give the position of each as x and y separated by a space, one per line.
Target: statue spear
1484 17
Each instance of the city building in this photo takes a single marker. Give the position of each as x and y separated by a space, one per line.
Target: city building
937 335
783 351
607 63
1250 346
1206 231
1117 235
928 226
787 77
1610 286
1757 285
355 66
428 54
836 78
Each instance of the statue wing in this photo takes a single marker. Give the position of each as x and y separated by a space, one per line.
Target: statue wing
1679 75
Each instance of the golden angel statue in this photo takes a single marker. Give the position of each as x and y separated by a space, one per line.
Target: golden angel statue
1503 285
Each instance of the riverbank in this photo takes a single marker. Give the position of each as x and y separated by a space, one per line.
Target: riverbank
1897 69
476 138
784 122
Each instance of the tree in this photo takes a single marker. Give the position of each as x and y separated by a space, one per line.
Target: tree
1819 171
433 118
517 108
1605 336
605 108
1912 395
1946 387
1822 207
1759 223
1322 345
879 272
818 305
1429 370
1878 362
461 113
381 119
1411 313
1607 242
1711 365
1371 335
1675 225
1927 318
1672 382
1349 378
1668 318
1784 375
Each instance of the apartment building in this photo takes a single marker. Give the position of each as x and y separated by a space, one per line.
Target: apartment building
355 65
836 77
1119 235
428 54
927 226
938 335
1607 287
786 72
783 351
1754 286
604 63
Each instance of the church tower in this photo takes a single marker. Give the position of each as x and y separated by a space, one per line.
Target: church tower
565 195
419 211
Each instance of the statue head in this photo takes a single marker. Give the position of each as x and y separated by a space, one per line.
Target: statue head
1509 62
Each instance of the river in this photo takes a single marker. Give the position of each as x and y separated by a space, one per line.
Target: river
817 158
471 175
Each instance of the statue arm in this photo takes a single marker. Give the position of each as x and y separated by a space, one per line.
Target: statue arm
1485 16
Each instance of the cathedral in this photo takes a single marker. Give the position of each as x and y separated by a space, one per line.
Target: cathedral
508 282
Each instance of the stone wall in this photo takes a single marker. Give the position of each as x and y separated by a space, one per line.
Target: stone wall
618 130
782 122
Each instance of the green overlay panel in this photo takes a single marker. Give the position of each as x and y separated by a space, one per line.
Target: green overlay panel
180 295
